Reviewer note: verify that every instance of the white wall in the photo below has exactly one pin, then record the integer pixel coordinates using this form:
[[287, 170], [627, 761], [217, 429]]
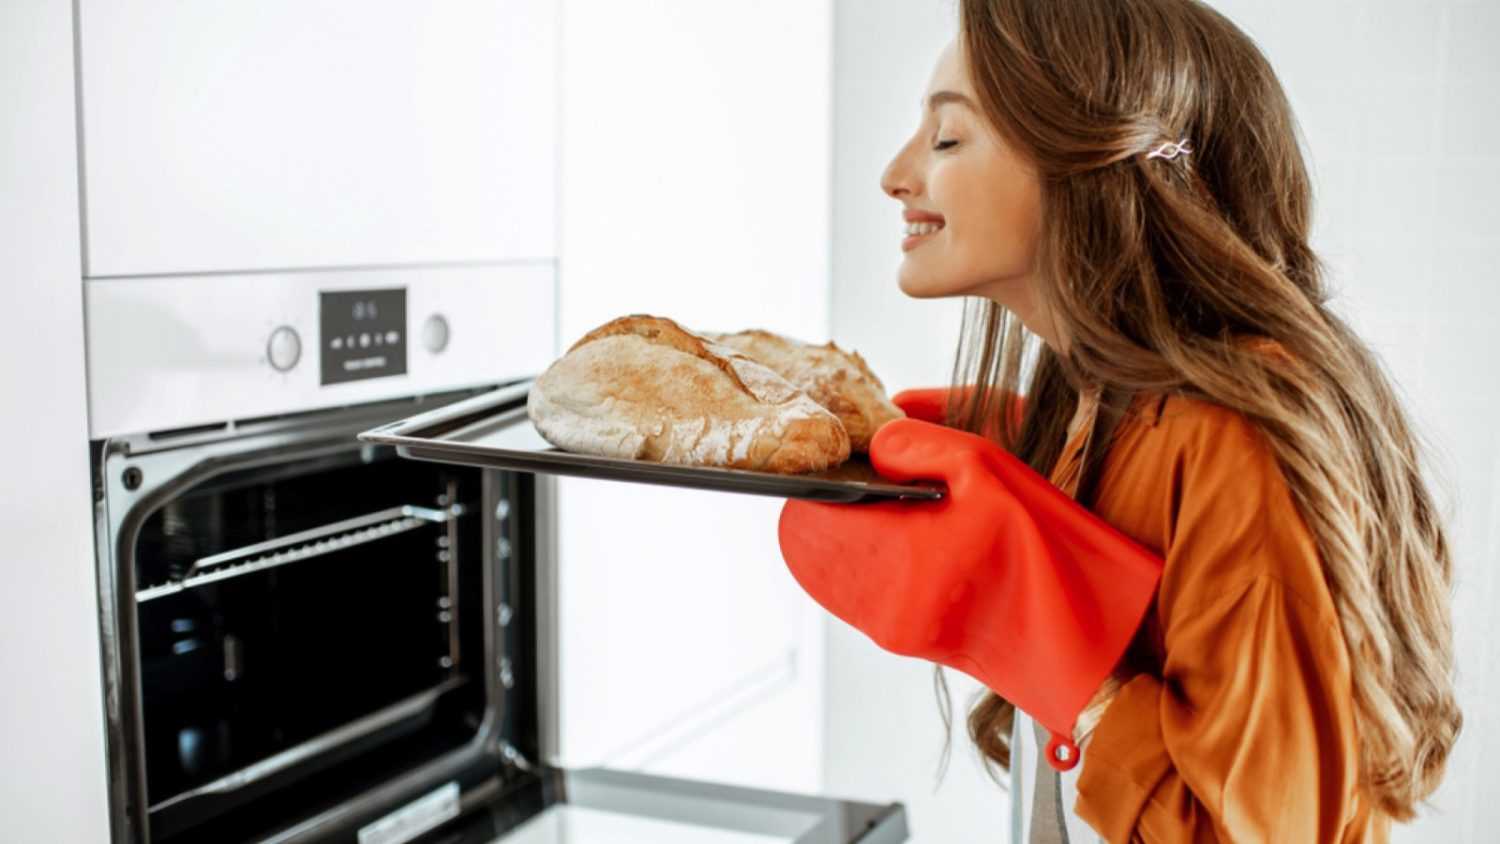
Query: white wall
[[695, 159], [884, 51], [1397, 103], [52, 784]]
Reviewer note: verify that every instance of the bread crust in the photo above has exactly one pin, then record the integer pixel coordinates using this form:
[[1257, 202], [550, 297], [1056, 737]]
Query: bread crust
[[643, 387], [837, 379]]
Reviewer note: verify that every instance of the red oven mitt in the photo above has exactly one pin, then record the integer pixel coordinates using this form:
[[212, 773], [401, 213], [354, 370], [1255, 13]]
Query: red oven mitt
[[1006, 578], [930, 404]]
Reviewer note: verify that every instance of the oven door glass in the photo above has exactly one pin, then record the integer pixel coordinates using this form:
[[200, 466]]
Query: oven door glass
[[600, 806]]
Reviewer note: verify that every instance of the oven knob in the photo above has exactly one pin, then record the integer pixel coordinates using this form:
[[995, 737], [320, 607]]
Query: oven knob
[[284, 348], [435, 333]]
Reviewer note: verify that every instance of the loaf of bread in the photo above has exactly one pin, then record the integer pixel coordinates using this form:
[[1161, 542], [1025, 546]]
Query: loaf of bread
[[645, 388], [838, 380]]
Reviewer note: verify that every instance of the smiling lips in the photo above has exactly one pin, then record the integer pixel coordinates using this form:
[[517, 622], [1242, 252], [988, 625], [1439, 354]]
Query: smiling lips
[[920, 225]]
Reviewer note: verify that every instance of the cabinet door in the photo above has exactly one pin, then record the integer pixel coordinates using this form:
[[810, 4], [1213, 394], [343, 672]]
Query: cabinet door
[[310, 133], [678, 621], [56, 785]]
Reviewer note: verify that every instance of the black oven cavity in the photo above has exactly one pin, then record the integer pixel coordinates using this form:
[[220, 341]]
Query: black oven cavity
[[294, 620]]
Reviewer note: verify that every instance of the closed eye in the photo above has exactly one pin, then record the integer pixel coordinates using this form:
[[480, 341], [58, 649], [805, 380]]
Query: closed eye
[[942, 145]]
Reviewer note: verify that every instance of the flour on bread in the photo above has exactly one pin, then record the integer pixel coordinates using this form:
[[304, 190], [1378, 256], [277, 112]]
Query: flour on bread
[[838, 380], [645, 388]]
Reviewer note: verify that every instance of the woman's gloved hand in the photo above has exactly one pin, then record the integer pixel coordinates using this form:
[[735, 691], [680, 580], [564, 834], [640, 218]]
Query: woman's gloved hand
[[930, 404], [1006, 579]]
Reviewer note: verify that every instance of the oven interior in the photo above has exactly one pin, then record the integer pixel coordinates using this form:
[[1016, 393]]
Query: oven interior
[[306, 624]]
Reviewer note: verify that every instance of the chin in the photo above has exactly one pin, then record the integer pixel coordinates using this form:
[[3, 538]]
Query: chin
[[919, 286]]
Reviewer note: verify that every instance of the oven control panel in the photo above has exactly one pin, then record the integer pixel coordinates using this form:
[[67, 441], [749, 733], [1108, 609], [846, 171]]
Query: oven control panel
[[245, 346], [363, 334]]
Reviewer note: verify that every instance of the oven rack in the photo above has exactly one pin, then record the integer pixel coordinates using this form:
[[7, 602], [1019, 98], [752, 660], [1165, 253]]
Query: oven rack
[[303, 545]]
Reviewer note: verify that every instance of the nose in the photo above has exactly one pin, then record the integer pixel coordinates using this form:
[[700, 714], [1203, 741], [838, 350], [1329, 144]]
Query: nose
[[897, 179]]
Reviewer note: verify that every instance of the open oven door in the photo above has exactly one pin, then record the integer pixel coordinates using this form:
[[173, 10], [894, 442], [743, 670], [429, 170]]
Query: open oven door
[[599, 806]]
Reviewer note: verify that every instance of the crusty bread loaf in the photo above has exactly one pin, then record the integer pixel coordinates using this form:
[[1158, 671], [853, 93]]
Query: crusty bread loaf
[[645, 388], [840, 381]]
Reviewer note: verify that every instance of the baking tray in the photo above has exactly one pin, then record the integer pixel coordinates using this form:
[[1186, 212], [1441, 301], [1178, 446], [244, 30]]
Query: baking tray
[[492, 430]]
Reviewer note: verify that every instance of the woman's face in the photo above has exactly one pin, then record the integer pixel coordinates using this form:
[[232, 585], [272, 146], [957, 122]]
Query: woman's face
[[957, 170]]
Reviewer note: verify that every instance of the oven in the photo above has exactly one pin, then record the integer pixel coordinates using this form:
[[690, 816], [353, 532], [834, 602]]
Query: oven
[[307, 637]]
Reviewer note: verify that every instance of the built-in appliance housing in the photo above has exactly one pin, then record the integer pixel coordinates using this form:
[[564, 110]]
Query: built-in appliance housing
[[299, 222]]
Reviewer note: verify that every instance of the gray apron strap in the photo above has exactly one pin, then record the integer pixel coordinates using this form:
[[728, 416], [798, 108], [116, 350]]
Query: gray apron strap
[[1047, 823], [1017, 778]]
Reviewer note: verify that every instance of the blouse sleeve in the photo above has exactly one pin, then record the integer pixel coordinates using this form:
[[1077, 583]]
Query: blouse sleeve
[[1248, 734]]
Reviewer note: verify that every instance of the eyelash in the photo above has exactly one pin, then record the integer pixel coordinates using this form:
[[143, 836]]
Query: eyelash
[[943, 145]]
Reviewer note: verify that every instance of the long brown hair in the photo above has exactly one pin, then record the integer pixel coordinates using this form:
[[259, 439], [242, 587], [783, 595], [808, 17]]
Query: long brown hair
[[1158, 271]]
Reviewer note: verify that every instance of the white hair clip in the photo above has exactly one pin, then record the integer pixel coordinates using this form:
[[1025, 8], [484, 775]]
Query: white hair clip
[[1170, 150]]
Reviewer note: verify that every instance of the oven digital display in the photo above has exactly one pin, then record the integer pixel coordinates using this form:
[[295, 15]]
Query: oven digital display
[[363, 334]]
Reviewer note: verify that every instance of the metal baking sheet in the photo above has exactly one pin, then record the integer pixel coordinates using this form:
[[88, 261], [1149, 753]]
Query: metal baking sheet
[[492, 430]]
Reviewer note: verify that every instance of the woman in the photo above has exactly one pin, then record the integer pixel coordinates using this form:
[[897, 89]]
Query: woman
[[1240, 617]]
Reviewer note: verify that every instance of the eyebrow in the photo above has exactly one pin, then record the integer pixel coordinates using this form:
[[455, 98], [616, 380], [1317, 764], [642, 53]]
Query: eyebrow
[[941, 97]]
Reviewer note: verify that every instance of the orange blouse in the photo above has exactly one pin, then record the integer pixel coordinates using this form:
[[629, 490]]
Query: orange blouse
[[1238, 724]]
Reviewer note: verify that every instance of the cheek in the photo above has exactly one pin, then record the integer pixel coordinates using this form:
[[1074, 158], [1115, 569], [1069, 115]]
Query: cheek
[[1000, 225]]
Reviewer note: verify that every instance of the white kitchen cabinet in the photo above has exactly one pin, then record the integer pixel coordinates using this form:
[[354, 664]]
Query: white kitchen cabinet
[[289, 134], [52, 782], [695, 148]]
